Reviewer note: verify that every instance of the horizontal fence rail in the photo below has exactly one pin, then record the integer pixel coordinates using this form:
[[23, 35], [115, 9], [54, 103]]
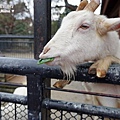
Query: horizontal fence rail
[[83, 108], [16, 46], [12, 84], [16, 37], [8, 97], [83, 92], [19, 46], [29, 66]]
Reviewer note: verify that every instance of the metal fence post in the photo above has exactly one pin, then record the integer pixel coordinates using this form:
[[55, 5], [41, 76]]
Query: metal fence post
[[34, 91], [0, 110], [42, 25], [42, 34]]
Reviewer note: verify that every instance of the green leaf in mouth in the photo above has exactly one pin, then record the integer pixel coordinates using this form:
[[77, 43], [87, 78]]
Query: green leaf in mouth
[[42, 61]]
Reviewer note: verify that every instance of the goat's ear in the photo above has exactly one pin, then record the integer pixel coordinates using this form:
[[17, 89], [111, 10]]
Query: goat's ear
[[106, 25], [112, 24]]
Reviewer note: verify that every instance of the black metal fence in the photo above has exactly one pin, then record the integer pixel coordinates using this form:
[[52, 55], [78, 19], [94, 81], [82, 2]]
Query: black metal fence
[[39, 106], [17, 46]]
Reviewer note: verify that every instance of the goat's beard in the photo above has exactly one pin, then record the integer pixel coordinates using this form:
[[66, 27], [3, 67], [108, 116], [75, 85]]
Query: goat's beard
[[69, 70]]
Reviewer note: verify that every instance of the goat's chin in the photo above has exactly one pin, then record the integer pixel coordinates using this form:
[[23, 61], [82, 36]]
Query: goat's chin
[[68, 70], [68, 67]]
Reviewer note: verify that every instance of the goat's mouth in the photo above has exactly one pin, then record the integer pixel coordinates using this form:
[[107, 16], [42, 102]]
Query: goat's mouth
[[52, 61], [42, 61], [66, 66]]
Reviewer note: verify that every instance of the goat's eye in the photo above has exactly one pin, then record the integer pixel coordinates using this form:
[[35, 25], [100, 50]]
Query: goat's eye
[[84, 26]]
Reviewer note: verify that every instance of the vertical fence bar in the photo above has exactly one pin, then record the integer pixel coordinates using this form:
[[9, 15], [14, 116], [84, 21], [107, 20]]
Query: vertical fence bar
[[15, 112], [34, 91], [42, 25], [42, 34], [0, 111], [46, 94]]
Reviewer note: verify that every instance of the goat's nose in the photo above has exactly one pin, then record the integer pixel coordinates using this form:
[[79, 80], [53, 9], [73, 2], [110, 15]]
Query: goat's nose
[[45, 50]]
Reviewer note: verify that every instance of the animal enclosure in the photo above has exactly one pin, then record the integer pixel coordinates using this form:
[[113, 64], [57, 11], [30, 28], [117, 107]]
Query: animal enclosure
[[37, 103]]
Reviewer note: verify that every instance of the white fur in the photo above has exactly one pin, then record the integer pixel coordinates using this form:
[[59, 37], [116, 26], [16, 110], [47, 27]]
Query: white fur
[[72, 45]]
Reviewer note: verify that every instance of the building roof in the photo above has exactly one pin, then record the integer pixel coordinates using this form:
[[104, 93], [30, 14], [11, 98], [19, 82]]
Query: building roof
[[110, 8]]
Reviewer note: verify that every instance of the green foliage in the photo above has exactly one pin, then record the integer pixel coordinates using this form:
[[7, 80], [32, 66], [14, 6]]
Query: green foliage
[[54, 27], [6, 23], [19, 8], [20, 27], [16, 22]]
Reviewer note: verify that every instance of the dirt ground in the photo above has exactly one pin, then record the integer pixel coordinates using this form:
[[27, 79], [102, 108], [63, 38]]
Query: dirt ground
[[66, 96], [72, 97]]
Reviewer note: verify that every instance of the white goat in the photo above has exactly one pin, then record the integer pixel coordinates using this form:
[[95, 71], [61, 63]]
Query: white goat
[[84, 36]]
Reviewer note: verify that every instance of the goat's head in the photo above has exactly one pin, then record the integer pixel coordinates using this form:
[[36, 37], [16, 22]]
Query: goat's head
[[80, 38]]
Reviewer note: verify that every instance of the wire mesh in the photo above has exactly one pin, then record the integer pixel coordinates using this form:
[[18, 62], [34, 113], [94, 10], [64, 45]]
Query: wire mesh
[[57, 114], [66, 115], [13, 111]]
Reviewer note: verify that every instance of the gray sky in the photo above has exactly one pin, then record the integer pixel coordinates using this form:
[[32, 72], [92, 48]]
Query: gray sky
[[76, 2], [29, 4], [73, 2]]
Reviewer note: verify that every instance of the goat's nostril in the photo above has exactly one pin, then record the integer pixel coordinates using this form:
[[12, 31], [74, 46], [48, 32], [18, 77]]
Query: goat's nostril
[[46, 50]]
